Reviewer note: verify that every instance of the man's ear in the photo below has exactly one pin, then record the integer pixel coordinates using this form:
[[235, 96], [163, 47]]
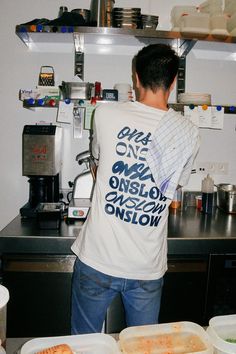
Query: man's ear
[[173, 84], [136, 80]]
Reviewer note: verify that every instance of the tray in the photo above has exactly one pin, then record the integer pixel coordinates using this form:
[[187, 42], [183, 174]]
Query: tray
[[94, 343]]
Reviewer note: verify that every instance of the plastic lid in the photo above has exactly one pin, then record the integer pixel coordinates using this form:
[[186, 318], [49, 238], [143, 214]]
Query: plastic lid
[[4, 296]]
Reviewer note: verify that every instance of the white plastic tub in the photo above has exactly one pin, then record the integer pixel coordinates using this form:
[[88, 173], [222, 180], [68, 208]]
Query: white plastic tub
[[177, 12], [177, 337], [220, 329], [195, 24], [95, 343]]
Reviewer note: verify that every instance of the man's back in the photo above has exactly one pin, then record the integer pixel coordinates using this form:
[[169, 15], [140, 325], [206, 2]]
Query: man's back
[[126, 227]]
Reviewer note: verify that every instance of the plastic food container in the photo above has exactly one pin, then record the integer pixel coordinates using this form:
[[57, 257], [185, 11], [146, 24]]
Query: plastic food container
[[173, 338], [177, 12], [231, 24], [197, 24], [218, 25], [221, 330], [95, 343]]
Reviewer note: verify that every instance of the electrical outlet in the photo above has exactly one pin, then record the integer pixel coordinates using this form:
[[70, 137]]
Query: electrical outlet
[[222, 168], [206, 167], [216, 168]]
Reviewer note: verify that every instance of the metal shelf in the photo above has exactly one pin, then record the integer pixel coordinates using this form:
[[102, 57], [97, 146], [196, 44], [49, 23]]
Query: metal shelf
[[176, 106], [180, 107], [63, 38], [63, 34]]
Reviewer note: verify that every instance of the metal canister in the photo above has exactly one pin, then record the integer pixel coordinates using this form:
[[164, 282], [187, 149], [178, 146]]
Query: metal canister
[[101, 12]]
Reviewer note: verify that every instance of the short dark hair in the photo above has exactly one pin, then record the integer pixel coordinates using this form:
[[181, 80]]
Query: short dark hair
[[156, 66]]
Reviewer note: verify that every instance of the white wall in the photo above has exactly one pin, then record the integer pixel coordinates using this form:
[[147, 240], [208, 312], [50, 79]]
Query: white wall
[[19, 68]]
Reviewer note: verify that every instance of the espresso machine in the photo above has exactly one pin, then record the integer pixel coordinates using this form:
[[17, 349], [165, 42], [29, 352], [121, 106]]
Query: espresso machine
[[41, 162]]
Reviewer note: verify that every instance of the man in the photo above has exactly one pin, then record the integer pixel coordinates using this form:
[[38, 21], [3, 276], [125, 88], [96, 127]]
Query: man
[[122, 247]]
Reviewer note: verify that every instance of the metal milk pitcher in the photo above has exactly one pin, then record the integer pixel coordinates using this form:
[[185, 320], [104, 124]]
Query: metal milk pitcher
[[101, 12]]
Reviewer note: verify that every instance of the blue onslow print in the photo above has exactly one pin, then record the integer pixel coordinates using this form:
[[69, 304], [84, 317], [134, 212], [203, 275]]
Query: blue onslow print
[[129, 198]]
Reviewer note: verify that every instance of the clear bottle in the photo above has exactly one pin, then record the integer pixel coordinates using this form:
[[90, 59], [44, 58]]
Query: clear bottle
[[207, 195], [177, 199]]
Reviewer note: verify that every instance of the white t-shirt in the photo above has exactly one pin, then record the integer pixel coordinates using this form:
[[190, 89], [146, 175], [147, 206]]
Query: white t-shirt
[[125, 234]]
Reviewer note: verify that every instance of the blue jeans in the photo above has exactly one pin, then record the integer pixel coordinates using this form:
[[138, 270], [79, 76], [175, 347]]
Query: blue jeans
[[93, 292]]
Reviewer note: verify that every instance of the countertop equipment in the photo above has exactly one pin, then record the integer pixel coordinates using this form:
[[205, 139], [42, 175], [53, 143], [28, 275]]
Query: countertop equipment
[[226, 197], [41, 162], [82, 188]]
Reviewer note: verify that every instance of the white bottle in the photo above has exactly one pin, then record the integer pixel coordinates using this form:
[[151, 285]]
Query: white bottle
[[207, 194]]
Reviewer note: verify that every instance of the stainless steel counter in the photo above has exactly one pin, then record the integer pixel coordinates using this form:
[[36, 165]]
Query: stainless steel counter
[[189, 232]]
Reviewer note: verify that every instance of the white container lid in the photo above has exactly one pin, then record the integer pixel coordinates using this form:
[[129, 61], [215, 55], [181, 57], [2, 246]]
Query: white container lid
[[4, 296], [94, 343]]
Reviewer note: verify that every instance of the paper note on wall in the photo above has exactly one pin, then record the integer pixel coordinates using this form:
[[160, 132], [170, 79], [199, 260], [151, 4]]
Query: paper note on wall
[[65, 112], [204, 116], [192, 114], [89, 115], [217, 117]]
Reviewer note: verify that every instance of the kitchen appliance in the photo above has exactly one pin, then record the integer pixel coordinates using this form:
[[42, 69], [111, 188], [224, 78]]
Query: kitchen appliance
[[41, 160], [41, 284], [226, 197], [82, 188], [221, 286]]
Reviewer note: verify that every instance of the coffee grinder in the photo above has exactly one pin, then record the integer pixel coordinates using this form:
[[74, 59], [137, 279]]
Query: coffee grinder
[[41, 161]]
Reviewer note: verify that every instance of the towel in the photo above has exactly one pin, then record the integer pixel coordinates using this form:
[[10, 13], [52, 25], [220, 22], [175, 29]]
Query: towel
[[171, 153]]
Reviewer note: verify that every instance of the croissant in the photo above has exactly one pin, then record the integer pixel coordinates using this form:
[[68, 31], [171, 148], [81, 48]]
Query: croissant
[[57, 349]]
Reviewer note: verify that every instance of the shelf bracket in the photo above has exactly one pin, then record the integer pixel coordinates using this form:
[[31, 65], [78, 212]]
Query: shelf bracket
[[79, 55], [180, 84], [184, 48]]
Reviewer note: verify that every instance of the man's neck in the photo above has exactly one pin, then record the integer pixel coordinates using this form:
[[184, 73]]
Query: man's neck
[[158, 100]]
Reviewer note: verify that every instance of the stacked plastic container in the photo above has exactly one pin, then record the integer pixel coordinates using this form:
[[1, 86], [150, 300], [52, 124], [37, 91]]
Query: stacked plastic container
[[209, 17], [217, 18], [178, 13], [230, 12]]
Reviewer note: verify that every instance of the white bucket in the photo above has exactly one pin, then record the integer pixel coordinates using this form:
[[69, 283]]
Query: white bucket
[[4, 297]]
